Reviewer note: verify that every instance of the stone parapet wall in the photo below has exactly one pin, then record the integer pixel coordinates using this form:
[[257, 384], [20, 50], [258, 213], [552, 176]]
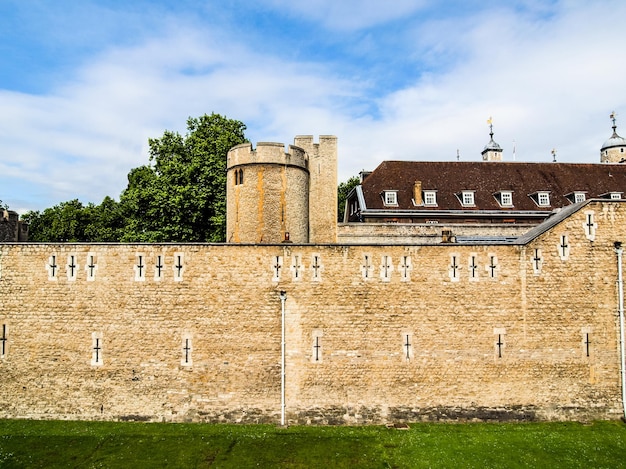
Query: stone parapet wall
[[374, 333], [424, 233], [266, 153]]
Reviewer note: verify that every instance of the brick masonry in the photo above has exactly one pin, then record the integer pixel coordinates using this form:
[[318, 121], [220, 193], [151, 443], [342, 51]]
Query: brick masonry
[[493, 334]]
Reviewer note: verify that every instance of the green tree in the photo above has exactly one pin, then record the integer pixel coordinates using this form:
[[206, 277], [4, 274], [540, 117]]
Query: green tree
[[181, 196], [343, 190], [65, 222], [73, 222], [105, 221]]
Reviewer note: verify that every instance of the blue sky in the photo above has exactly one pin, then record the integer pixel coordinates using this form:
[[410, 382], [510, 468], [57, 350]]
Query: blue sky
[[85, 83]]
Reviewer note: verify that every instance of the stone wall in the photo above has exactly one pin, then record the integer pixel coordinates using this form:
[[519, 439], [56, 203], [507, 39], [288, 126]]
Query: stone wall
[[422, 233], [374, 333], [322, 187], [11, 228]]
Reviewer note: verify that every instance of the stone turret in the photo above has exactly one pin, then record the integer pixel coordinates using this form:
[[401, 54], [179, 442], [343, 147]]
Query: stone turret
[[322, 187], [276, 196], [267, 194]]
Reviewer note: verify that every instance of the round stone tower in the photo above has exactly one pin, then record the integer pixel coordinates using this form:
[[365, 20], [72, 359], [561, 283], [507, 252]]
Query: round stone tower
[[614, 149], [267, 194]]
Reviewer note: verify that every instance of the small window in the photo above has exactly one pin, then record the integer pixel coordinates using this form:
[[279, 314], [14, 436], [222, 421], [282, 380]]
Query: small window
[[467, 198], [616, 195], [579, 197], [543, 199], [506, 199], [391, 198], [430, 198]]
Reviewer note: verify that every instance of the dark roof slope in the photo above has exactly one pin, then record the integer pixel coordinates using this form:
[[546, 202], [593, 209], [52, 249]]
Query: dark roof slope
[[487, 178]]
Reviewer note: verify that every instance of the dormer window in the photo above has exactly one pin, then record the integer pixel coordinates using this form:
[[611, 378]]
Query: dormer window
[[390, 197], [505, 198], [612, 195], [467, 198], [541, 198], [430, 198], [577, 197]]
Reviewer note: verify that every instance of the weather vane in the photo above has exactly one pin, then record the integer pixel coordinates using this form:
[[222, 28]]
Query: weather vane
[[490, 122], [554, 155], [612, 117]]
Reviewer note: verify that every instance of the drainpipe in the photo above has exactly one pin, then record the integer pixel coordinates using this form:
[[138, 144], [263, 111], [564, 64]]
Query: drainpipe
[[620, 287], [283, 298]]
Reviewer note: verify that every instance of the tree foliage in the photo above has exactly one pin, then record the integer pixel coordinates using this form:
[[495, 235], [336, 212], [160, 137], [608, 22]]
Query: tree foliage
[[342, 194], [74, 222], [182, 195]]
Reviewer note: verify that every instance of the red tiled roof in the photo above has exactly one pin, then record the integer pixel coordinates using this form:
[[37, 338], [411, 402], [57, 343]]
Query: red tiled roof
[[488, 178]]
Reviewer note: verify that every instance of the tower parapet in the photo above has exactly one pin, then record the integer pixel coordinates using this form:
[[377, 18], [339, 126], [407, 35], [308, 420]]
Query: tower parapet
[[266, 153]]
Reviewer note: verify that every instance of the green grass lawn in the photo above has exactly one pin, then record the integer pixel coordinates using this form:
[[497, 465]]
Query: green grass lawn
[[49, 444]]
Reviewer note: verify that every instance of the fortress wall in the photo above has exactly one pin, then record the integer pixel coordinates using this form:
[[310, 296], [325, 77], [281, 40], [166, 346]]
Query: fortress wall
[[508, 346]]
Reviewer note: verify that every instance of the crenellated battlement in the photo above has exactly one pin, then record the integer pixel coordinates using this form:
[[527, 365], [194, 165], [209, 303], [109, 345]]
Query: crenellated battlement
[[267, 153]]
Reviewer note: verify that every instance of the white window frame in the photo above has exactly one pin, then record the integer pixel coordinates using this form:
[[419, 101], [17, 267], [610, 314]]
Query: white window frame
[[508, 195], [390, 197], [543, 199], [579, 197], [467, 198], [616, 195], [430, 198]]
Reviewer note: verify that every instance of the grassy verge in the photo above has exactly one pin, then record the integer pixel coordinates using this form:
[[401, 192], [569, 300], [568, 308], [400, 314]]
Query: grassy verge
[[50, 444]]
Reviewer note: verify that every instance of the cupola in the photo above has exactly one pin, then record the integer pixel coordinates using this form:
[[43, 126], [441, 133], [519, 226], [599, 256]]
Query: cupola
[[492, 151], [614, 149]]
